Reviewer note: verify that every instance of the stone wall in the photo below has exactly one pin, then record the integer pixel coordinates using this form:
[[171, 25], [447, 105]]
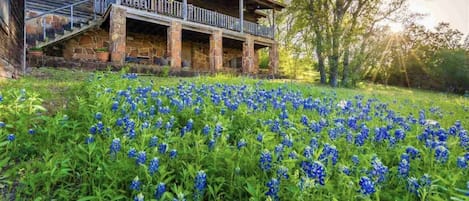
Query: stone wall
[[11, 37]]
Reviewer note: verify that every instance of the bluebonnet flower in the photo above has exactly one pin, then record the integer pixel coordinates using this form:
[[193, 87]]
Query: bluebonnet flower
[[346, 171], [304, 120], [153, 141], [159, 123], [293, 155], [206, 129], [141, 158], [399, 134], [139, 197], [115, 106], [1, 98], [211, 143], [308, 152], [162, 148], [274, 187], [329, 151], [200, 184], [93, 130], [413, 152], [282, 172], [2, 124], [89, 140], [218, 130], [11, 137], [367, 186], [173, 153], [154, 166], [189, 125], [461, 162], [314, 143], [115, 146], [441, 154], [379, 170], [265, 160], [260, 137], [98, 116], [413, 185], [315, 171], [135, 185], [160, 190], [132, 153], [242, 143], [425, 180], [31, 131], [278, 149], [287, 141], [404, 168], [355, 160]]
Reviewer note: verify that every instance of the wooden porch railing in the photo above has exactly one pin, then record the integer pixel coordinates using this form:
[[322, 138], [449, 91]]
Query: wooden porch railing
[[193, 13]]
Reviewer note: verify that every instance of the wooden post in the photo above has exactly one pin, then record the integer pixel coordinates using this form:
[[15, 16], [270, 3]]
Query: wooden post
[[184, 9], [241, 15]]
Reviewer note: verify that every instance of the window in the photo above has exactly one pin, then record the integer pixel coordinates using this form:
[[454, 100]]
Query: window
[[4, 14]]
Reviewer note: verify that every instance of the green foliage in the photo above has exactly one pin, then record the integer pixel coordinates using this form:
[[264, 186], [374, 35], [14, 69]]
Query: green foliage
[[55, 163], [165, 70]]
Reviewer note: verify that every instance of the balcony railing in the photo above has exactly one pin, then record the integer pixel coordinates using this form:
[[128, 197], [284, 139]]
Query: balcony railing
[[192, 13]]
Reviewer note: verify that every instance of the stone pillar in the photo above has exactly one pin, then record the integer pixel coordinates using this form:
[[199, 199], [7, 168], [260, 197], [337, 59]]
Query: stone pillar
[[248, 55], [273, 59], [175, 45], [256, 61], [216, 51], [117, 34]]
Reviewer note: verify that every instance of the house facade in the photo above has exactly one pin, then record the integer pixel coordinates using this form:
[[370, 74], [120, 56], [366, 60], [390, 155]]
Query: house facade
[[11, 37], [194, 35]]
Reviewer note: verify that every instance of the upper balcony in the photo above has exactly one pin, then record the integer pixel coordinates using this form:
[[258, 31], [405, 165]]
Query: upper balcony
[[229, 15]]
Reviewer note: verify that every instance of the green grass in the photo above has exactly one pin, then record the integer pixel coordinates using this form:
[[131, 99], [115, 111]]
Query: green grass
[[60, 106]]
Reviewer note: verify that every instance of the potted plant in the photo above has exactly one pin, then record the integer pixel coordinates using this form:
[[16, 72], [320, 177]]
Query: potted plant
[[102, 54], [35, 51]]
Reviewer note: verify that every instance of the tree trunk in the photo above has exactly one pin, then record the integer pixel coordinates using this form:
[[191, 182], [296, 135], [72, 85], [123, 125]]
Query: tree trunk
[[346, 70], [322, 68]]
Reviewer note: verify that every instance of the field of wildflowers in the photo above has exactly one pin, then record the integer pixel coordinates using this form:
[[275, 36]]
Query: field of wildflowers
[[144, 138]]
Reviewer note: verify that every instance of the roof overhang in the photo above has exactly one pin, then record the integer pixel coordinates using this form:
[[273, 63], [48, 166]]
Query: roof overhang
[[266, 4]]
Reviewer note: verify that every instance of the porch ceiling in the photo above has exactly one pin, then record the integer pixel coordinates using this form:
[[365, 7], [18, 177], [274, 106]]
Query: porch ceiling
[[250, 4]]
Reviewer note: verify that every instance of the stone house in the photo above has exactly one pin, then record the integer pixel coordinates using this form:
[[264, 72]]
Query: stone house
[[187, 35], [11, 37]]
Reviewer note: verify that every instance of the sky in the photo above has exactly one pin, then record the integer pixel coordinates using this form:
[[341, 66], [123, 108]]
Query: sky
[[456, 12]]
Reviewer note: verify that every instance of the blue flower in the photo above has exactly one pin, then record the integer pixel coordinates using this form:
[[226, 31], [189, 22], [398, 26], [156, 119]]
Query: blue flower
[[115, 146], [206, 129], [413, 185], [162, 148], [413, 152], [132, 153], [11, 137], [31, 131], [135, 185], [242, 143], [355, 160], [2, 124], [139, 197], [153, 141], [274, 187], [308, 152], [367, 186], [211, 143], [346, 171], [89, 140], [282, 172], [399, 134], [189, 125], [154, 165], [461, 162], [441, 154], [98, 116], [293, 155], [260, 137], [173, 153], [315, 171], [160, 190], [115, 106], [379, 170], [200, 185], [265, 160], [404, 168], [141, 158]]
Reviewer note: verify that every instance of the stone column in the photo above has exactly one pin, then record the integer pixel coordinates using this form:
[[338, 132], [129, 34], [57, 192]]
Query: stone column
[[248, 55], [256, 62], [117, 34], [216, 51], [273, 59], [175, 45]]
